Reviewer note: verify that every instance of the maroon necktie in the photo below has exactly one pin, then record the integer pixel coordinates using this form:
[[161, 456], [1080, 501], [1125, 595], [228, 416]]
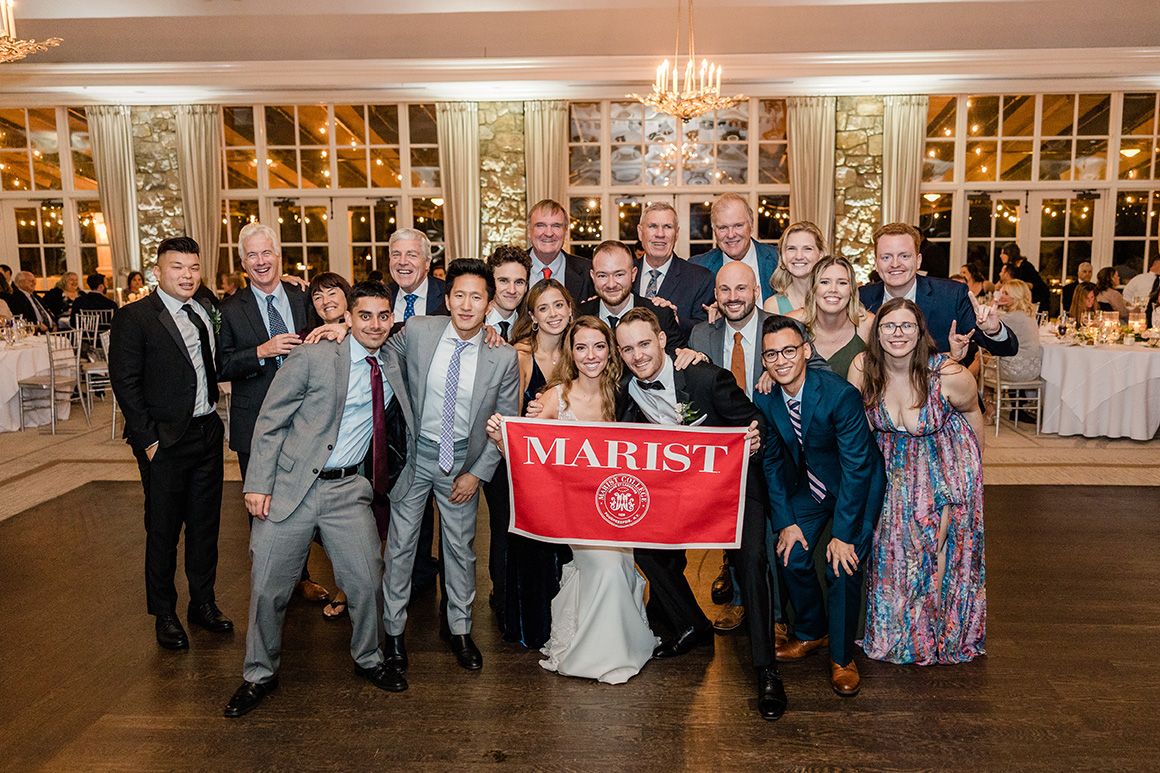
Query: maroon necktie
[[380, 468]]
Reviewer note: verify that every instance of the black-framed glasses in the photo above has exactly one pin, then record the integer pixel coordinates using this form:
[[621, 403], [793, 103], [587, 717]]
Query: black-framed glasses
[[789, 352], [890, 328]]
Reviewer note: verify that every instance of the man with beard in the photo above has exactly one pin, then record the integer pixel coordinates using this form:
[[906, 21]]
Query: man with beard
[[613, 275]]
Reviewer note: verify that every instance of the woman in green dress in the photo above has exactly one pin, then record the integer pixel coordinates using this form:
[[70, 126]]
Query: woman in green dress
[[840, 326]]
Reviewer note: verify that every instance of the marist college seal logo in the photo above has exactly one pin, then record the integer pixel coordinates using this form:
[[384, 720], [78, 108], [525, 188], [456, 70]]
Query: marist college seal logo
[[622, 500]]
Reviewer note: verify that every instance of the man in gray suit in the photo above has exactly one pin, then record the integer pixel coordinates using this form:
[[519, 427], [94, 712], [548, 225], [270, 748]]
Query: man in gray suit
[[453, 383], [324, 410]]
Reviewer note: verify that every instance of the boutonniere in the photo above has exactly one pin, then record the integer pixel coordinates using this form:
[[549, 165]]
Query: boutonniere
[[215, 317], [690, 416]]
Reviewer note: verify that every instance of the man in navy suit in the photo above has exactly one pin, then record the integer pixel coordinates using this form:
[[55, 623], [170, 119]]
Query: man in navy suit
[[732, 220], [547, 229], [663, 275], [821, 464], [414, 291], [948, 307]]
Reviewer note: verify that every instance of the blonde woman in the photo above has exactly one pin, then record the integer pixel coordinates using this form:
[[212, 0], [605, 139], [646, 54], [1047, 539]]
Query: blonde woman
[[838, 324], [802, 245], [1018, 313]]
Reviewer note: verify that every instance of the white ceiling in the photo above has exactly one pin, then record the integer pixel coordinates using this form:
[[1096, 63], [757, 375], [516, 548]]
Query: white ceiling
[[139, 50]]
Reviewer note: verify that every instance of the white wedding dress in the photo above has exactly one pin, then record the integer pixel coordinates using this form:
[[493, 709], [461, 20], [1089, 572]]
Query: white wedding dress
[[599, 627]]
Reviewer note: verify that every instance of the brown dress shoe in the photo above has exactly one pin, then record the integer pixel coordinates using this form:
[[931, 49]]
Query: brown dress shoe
[[730, 619], [313, 592], [796, 649], [780, 636], [845, 679]]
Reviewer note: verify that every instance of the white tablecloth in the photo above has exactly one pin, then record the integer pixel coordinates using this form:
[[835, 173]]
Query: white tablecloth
[[25, 359], [1101, 391]]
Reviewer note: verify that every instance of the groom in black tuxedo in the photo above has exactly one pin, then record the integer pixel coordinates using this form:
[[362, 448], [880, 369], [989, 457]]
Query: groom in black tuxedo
[[652, 392]]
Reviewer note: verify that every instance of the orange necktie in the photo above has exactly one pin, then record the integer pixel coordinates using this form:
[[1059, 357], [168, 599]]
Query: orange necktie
[[737, 363]]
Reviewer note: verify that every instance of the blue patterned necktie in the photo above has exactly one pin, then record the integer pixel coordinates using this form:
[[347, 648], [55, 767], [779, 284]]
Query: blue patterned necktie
[[817, 488], [651, 290], [410, 310], [277, 324], [447, 419]]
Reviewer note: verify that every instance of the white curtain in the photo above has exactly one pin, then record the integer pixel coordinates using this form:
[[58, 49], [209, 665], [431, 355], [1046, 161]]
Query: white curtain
[[546, 150], [111, 132], [459, 171], [903, 137], [199, 167], [811, 161]]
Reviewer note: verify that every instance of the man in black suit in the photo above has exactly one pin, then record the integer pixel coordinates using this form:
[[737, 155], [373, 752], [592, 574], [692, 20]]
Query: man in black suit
[[613, 275], [547, 230], [161, 364], [260, 326], [414, 291], [651, 391], [687, 286], [24, 303], [94, 300]]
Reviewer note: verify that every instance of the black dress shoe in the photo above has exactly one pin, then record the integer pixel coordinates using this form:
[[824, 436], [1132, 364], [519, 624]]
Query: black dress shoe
[[384, 676], [466, 652], [209, 617], [722, 590], [686, 641], [395, 652], [248, 696], [170, 634], [771, 700]]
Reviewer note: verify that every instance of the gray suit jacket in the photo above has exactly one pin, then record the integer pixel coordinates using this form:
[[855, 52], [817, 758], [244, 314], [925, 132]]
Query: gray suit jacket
[[410, 352], [709, 339], [297, 428]]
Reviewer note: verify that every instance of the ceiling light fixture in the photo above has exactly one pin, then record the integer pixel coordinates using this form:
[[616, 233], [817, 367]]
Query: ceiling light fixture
[[13, 49], [700, 90]]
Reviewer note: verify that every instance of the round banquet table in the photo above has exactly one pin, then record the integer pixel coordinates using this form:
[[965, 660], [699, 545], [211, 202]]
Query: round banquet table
[[23, 360], [1108, 391]]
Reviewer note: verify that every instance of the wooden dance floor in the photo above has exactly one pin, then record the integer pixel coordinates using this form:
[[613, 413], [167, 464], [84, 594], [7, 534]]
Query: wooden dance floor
[[1070, 681]]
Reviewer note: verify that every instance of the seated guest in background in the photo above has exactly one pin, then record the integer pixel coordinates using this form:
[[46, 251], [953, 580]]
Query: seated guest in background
[[232, 283], [60, 298], [96, 299], [375, 276], [161, 365], [1017, 312], [1108, 298], [5, 291], [662, 274], [547, 230], [324, 411], [802, 246], [821, 467], [927, 598], [1083, 302], [613, 276], [1143, 285], [1126, 272], [1022, 269], [838, 325], [6, 272], [413, 291], [732, 220], [945, 305], [1083, 274], [439, 271], [976, 281], [135, 286], [533, 567], [22, 302]]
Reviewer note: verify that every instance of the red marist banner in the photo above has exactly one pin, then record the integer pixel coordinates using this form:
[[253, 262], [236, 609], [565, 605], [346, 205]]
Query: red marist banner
[[626, 485]]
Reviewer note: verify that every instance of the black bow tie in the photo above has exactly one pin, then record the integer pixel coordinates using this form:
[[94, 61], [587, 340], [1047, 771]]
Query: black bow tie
[[654, 385]]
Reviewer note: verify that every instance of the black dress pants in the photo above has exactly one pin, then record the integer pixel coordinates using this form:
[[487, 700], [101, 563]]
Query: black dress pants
[[183, 487], [752, 565]]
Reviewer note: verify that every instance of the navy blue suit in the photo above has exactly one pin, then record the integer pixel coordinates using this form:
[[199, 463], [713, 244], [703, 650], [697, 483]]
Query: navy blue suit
[[766, 263], [941, 301], [687, 286], [840, 451], [436, 298]]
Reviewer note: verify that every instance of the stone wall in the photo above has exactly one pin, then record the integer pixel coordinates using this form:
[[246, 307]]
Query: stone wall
[[159, 213], [503, 188], [857, 176]]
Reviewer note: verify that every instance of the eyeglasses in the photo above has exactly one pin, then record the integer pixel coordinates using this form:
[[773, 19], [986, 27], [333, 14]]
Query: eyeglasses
[[789, 352], [890, 328]]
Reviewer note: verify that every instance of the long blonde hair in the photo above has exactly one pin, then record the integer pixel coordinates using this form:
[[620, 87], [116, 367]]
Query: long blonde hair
[[567, 373], [1020, 293], [854, 308], [781, 279]]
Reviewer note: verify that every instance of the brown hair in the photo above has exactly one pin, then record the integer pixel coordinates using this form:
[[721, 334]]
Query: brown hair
[[641, 314], [898, 229], [874, 362], [523, 328], [550, 206], [854, 308], [567, 373], [1079, 300], [780, 279], [727, 198]]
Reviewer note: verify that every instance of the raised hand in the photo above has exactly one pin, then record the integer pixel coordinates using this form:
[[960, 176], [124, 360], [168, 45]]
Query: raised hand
[[986, 316], [960, 343]]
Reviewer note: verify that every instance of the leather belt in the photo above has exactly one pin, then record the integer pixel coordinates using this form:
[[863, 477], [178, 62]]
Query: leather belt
[[338, 472]]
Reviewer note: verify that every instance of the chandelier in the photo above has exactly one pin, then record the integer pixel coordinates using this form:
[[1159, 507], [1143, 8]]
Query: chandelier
[[700, 90], [12, 49]]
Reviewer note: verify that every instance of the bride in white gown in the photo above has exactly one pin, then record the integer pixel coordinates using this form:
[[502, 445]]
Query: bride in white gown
[[599, 628]]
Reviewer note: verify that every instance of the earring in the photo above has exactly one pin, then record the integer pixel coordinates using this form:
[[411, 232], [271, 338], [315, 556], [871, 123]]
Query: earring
[[535, 327]]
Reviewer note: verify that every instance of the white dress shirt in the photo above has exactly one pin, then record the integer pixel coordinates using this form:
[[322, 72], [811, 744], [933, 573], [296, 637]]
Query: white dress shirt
[[645, 275], [750, 259], [400, 305], [281, 303], [749, 333], [437, 384], [201, 404], [660, 405], [357, 425], [495, 316], [557, 267], [1139, 287]]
